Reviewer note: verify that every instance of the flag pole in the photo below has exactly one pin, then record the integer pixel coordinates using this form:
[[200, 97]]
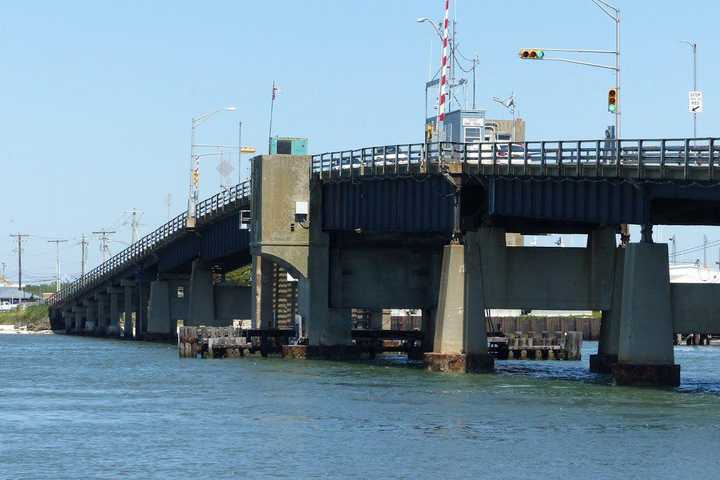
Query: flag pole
[[272, 107]]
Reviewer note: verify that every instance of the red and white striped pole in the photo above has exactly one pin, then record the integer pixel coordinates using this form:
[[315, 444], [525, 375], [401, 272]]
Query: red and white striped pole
[[442, 100]]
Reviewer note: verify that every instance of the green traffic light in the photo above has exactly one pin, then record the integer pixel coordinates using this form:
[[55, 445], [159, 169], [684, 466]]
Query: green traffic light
[[540, 54], [612, 108]]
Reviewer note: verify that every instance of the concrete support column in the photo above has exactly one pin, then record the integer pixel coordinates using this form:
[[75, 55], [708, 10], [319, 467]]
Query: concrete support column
[[113, 328], [376, 319], [68, 319], [201, 305], [141, 320], [91, 318], [608, 343], [262, 292], [477, 358], [129, 307], [447, 355], [645, 348], [159, 308], [78, 319], [428, 328], [460, 343], [102, 313]]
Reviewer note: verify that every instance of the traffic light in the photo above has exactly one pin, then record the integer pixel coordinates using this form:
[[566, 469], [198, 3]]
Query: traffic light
[[531, 54], [613, 100]]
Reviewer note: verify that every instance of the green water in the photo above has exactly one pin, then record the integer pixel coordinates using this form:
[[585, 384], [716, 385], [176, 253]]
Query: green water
[[87, 408]]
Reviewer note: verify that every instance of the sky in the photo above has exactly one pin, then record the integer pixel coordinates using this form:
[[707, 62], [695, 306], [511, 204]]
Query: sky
[[97, 96]]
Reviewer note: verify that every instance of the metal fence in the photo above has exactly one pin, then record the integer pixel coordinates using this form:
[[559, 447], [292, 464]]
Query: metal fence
[[655, 158], [152, 241]]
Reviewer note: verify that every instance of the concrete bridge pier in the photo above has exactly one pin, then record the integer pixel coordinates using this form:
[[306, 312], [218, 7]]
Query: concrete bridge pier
[[460, 343], [201, 304], [90, 316], [113, 328], [78, 318], [101, 301], [608, 344], [129, 306], [645, 347], [159, 308]]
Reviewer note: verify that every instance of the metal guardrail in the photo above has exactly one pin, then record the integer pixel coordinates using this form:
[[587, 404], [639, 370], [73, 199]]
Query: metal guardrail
[[151, 241], [684, 158]]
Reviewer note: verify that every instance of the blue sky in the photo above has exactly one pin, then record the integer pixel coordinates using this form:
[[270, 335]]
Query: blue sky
[[97, 96]]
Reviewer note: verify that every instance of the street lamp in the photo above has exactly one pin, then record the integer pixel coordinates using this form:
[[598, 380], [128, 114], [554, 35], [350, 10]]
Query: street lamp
[[693, 45], [195, 165], [432, 24], [509, 103]]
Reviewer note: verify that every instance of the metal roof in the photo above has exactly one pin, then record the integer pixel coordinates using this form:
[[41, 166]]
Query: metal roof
[[8, 292]]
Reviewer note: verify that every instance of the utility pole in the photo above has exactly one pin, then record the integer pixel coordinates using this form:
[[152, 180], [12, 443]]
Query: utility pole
[[705, 251], [135, 215], [673, 250], [83, 257], [57, 262], [168, 204], [693, 45], [20, 237], [104, 236], [4, 267]]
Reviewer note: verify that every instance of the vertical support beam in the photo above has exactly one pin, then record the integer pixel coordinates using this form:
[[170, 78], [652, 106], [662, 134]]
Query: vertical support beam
[[477, 358], [318, 272], [143, 294], [608, 344], [129, 308], [78, 321], [645, 349], [114, 321], [102, 314], [376, 319], [159, 308], [201, 305], [428, 328], [262, 292], [450, 315], [90, 315]]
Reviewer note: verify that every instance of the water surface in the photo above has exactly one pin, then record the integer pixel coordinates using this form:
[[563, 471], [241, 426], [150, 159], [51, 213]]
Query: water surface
[[87, 408]]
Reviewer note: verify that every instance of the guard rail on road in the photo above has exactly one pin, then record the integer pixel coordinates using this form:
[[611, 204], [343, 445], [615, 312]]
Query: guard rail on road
[[676, 159], [151, 241]]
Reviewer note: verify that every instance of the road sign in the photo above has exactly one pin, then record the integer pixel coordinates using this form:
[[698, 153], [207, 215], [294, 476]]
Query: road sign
[[695, 101]]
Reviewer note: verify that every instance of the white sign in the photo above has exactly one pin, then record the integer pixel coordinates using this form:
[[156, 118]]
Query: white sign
[[695, 101], [473, 122]]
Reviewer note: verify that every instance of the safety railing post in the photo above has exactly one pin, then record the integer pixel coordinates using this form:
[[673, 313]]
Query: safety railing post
[[687, 159]]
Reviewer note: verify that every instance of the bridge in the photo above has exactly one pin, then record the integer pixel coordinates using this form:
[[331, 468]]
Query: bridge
[[425, 226]]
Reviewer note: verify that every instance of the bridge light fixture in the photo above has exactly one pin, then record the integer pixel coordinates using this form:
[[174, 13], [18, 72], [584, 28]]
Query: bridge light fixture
[[531, 54], [612, 100]]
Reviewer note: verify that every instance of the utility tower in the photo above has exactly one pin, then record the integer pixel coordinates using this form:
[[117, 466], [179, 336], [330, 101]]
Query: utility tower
[[134, 223], [57, 262], [168, 204], [83, 254], [20, 237], [104, 236]]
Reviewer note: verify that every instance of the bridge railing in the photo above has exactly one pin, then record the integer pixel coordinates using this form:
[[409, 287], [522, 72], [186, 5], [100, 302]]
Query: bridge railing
[[666, 158], [149, 242]]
